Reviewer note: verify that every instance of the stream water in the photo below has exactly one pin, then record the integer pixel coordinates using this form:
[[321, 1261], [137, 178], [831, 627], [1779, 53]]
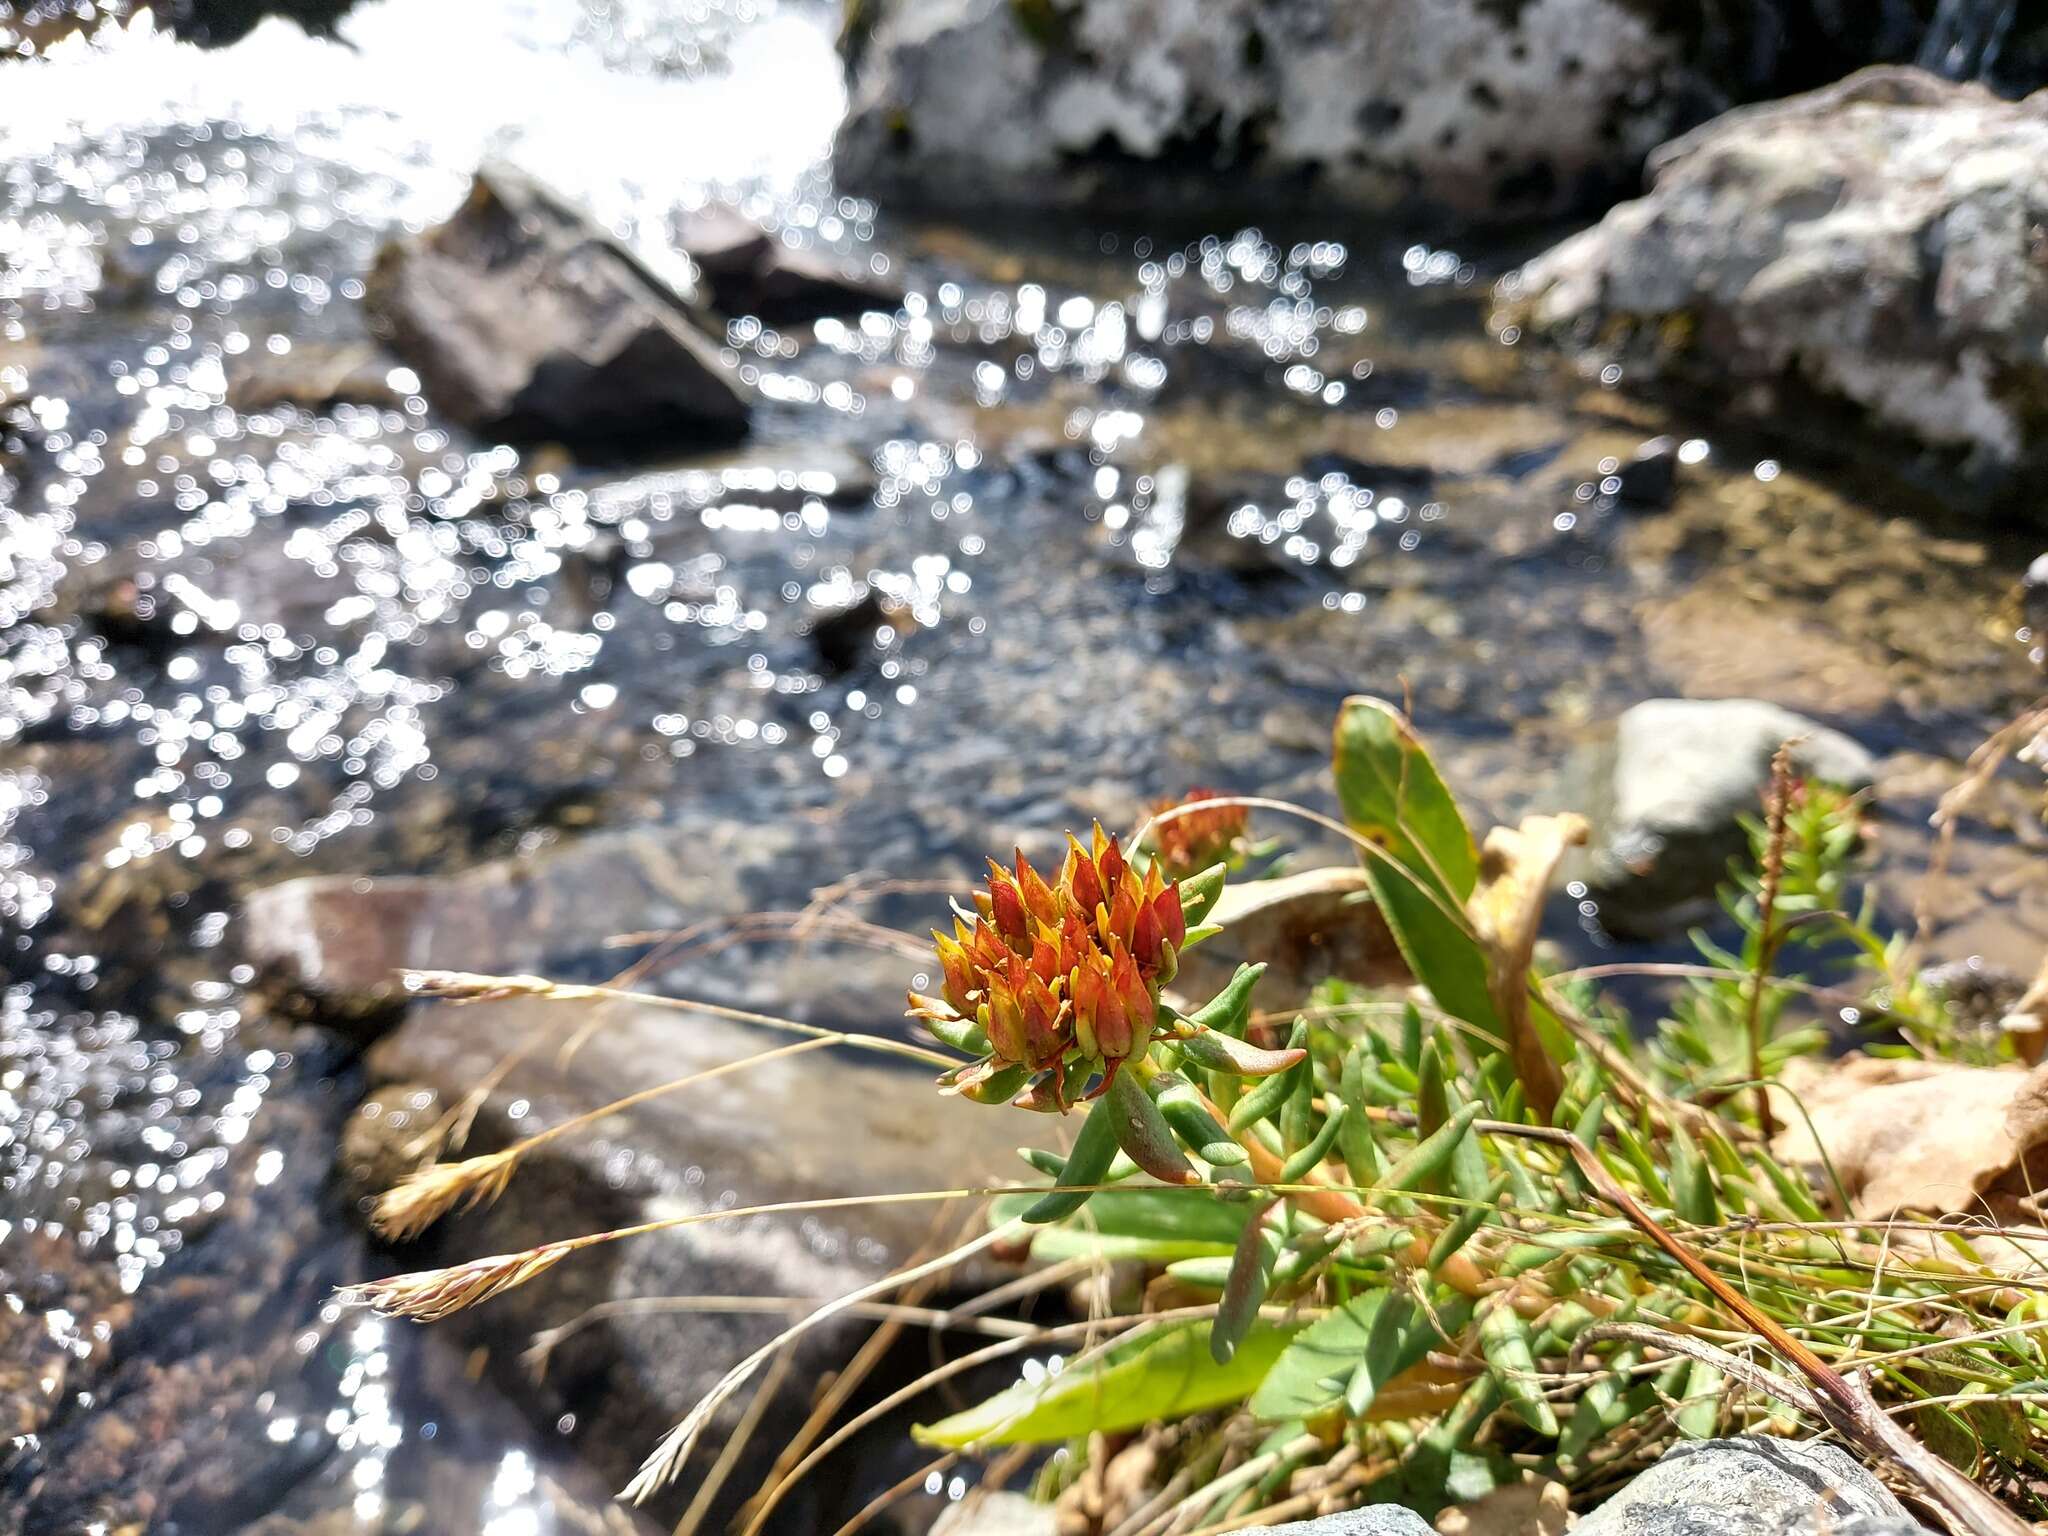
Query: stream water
[[1141, 507]]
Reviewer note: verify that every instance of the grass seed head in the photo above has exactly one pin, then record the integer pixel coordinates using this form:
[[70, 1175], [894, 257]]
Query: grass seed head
[[427, 1194], [428, 1295]]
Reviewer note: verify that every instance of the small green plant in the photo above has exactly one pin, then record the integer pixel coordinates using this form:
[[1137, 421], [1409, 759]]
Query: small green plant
[[1408, 1243], [1435, 1248]]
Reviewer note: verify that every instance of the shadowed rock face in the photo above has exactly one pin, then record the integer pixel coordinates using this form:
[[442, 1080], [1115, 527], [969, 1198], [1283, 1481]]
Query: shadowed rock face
[[1476, 110], [522, 316], [1879, 244]]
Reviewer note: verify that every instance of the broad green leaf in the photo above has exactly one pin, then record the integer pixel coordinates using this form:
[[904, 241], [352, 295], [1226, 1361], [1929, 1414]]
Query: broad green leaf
[[1353, 1352], [1164, 1375], [1391, 793], [1441, 953], [1139, 1221]]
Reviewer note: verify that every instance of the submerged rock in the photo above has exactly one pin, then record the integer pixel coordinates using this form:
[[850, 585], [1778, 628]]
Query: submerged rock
[[1474, 108], [1879, 243], [315, 377], [1649, 478], [521, 316], [1665, 792], [747, 271], [1753, 1486]]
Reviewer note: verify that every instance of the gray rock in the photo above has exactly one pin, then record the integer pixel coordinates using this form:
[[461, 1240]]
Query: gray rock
[[1372, 1520], [746, 271], [1472, 107], [808, 1126], [521, 316], [821, 1124], [1650, 477], [1878, 243], [1664, 792], [1753, 1486], [997, 1514]]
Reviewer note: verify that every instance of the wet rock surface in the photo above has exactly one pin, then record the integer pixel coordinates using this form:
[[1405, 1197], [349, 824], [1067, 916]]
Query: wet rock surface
[[1877, 243], [744, 270], [803, 1127], [1665, 793], [521, 315]]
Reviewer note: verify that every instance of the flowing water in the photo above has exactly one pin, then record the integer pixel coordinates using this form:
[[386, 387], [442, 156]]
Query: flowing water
[[1138, 508]]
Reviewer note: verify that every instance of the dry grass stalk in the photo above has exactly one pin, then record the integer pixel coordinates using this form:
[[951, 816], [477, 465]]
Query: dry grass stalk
[[1979, 771], [471, 987], [895, 1491], [673, 1450], [429, 1193], [428, 1295], [735, 1447], [833, 1399]]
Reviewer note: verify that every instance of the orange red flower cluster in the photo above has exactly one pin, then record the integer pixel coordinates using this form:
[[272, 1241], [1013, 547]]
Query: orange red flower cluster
[[1192, 840], [1063, 971]]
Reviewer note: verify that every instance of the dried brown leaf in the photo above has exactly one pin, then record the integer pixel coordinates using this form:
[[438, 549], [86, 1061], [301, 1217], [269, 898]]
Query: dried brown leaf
[[1909, 1136], [1515, 869]]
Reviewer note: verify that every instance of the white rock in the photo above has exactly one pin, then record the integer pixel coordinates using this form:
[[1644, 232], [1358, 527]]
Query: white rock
[[1879, 242]]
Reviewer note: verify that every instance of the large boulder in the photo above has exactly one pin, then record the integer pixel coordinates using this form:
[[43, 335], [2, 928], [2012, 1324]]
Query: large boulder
[[1666, 790], [1472, 108], [521, 316], [1882, 244]]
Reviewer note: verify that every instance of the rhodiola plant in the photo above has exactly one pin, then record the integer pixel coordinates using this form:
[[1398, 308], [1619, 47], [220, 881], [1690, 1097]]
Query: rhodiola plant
[[1410, 1239]]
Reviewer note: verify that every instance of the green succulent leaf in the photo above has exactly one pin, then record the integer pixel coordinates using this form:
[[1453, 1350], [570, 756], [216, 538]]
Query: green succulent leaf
[[1142, 1221], [1167, 1374]]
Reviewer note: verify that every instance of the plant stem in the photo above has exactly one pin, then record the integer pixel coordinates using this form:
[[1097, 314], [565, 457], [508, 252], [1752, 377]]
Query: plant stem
[[1767, 938]]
